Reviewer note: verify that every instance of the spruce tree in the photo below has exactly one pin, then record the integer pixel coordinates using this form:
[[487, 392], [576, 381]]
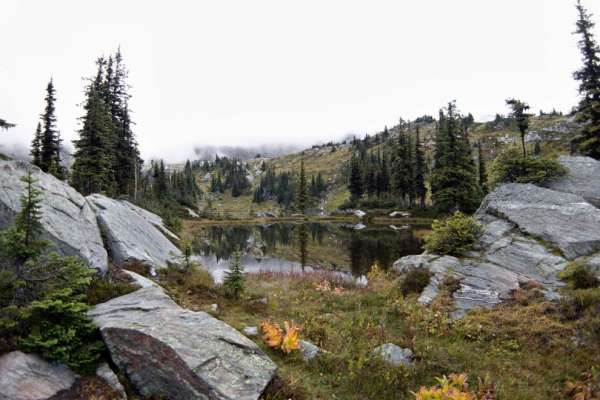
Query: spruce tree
[[355, 182], [588, 111], [302, 190], [419, 170], [50, 138], [93, 166], [481, 170], [521, 117], [36, 146], [454, 178], [233, 284], [5, 124]]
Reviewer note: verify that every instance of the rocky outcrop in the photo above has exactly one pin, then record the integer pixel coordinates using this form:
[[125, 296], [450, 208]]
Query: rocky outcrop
[[167, 351], [107, 374], [583, 178], [132, 233], [67, 219], [529, 234], [28, 377], [563, 220]]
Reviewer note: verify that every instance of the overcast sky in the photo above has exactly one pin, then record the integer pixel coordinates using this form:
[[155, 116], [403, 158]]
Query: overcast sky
[[251, 72]]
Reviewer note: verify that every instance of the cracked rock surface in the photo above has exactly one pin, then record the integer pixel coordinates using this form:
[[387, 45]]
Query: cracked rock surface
[[529, 234], [167, 351], [67, 219], [132, 233]]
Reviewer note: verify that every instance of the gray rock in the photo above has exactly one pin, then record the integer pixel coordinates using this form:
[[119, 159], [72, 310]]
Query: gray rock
[[141, 281], [359, 227], [564, 220], [67, 220], [250, 331], [28, 377], [308, 350], [107, 374], [132, 233], [175, 353], [394, 354], [593, 263], [583, 178]]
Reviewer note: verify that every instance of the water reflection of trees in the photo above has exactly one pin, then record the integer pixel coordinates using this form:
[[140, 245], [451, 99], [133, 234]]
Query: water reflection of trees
[[363, 247]]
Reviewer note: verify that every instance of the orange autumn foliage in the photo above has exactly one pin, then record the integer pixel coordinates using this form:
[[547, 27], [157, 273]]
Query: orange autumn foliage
[[275, 337]]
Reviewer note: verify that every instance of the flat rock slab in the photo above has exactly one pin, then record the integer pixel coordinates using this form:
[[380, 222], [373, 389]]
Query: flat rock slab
[[29, 377], [563, 220], [67, 219], [132, 233], [583, 178], [394, 354], [175, 353]]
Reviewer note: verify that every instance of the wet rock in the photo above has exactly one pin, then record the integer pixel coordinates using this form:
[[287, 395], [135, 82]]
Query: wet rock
[[29, 377], [133, 234], [359, 213], [175, 353], [394, 354], [111, 379], [359, 227], [583, 178], [67, 219]]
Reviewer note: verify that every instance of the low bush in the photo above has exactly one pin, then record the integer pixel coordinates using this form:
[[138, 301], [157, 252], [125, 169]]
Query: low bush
[[512, 166], [453, 235], [414, 281], [103, 289]]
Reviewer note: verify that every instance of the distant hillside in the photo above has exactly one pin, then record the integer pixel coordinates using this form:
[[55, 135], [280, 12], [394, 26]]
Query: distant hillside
[[554, 133]]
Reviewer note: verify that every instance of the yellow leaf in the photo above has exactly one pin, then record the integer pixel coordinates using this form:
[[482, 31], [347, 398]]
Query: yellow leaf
[[291, 341], [272, 334]]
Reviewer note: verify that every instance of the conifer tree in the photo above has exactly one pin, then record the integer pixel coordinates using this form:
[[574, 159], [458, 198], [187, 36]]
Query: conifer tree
[[233, 284], [481, 170], [521, 117], [5, 124], [302, 190], [355, 183], [419, 170], [588, 112], [93, 166], [50, 138], [454, 179], [36, 146]]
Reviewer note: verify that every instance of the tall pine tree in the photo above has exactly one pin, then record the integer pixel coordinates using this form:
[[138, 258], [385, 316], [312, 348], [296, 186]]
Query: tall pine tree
[[93, 166], [454, 178], [588, 112], [50, 138], [482, 170], [36, 146], [521, 117], [419, 170], [302, 189]]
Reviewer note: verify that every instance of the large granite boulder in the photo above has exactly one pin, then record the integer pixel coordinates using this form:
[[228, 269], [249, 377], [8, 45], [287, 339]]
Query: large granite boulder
[[563, 220], [28, 377], [170, 352], [132, 233], [529, 234], [67, 219], [582, 179]]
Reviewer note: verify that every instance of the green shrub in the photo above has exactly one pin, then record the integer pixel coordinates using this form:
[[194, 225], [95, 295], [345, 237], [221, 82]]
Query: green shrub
[[414, 281], [511, 166], [579, 276], [103, 289], [233, 284], [453, 235], [56, 324]]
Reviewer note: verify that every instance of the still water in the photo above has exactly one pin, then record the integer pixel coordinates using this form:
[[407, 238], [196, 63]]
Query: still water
[[298, 247]]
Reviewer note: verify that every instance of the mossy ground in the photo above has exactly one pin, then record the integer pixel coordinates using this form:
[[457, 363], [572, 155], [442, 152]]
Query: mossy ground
[[529, 347]]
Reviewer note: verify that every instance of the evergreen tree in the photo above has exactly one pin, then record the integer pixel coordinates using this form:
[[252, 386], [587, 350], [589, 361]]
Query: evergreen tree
[[383, 177], [36, 146], [521, 117], [537, 150], [233, 284], [419, 170], [22, 241], [5, 124], [482, 171], [50, 138], [93, 166], [355, 183], [588, 112], [454, 178]]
